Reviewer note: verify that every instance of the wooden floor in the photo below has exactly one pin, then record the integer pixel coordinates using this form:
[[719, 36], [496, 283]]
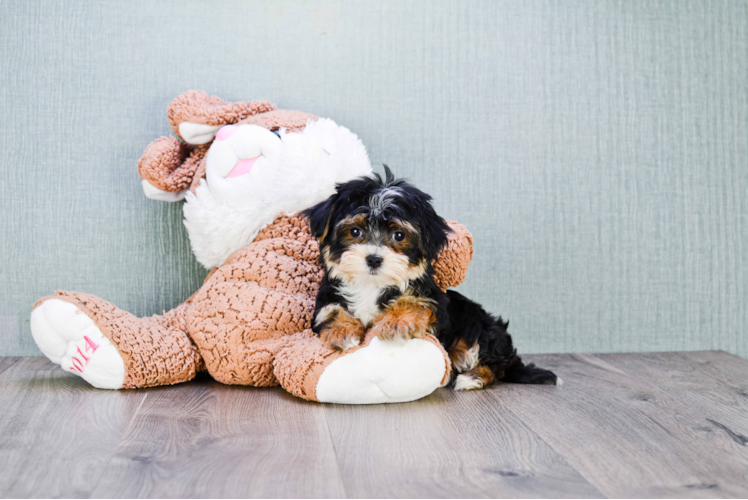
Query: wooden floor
[[622, 425]]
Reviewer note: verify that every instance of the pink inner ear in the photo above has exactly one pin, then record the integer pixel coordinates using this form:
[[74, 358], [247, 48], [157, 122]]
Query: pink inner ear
[[225, 132], [242, 167]]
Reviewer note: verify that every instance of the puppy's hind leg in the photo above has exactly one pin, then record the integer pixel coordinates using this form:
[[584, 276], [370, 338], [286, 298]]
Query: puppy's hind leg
[[485, 351], [482, 376], [465, 363], [477, 378]]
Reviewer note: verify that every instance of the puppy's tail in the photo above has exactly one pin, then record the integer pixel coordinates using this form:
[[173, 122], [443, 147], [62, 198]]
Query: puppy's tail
[[519, 373], [516, 372]]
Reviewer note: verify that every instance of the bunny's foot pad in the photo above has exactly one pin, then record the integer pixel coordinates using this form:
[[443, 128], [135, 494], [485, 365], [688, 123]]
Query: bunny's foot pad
[[375, 372], [69, 338]]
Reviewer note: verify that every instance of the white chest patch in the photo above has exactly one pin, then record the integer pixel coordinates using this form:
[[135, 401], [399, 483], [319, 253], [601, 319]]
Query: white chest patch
[[362, 300]]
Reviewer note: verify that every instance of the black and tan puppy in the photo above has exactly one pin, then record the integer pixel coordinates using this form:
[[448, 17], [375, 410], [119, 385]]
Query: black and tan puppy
[[377, 241]]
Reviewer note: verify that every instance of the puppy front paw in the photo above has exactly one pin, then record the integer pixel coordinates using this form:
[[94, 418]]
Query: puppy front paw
[[342, 332], [405, 319]]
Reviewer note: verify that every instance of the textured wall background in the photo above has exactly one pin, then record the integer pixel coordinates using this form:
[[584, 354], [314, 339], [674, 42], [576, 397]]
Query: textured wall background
[[598, 150]]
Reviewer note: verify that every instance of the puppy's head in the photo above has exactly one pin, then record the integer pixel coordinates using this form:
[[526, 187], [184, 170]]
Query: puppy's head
[[378, 231]]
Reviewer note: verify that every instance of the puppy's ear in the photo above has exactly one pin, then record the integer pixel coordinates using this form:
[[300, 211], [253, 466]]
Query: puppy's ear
[[319, 217], [435, 231]]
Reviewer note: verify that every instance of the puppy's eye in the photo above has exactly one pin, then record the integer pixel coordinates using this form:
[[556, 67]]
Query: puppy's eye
[[356, 232], [398, 236]]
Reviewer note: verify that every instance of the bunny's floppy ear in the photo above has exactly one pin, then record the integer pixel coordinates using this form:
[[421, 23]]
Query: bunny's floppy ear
[[319, 217]]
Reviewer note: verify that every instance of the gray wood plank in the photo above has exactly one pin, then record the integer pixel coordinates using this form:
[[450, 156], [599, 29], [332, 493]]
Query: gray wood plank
[[715, 384], [626, 436], [204, 439], [727, 368], [7, 362], [57, 431], [447, 445], [666, 424]]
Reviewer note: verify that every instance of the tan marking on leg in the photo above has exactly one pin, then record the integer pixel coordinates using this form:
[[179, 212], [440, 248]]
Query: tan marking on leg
[[326, 313], [477, 378], [343, 332], [463, 357], [406, 318]]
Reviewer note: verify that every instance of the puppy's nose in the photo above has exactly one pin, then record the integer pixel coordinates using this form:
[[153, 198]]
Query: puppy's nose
[[374, 261]]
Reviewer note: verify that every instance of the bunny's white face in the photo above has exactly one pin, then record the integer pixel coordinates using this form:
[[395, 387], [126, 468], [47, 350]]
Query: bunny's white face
[[254, 175]]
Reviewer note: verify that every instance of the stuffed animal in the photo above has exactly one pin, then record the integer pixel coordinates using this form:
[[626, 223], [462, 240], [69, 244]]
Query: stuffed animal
[[245, 170]]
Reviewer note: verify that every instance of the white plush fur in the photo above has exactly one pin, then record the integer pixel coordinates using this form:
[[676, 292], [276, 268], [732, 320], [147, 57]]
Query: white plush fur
[[383, 372], [197, 133], [293, 173], [155, 193], [67, 336]]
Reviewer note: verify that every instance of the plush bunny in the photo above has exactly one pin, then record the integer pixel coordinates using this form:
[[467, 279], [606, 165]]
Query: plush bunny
[[245, 170]]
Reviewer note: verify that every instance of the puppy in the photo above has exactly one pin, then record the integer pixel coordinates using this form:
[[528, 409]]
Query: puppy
[[377, 240]]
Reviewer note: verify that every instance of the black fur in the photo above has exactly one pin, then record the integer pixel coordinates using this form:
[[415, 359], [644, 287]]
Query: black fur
[[468, 320], [351, 198], [457, 317]]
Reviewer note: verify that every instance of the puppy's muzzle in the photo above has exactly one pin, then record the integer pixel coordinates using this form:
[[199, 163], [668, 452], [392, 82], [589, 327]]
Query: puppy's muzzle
[[374, 261]]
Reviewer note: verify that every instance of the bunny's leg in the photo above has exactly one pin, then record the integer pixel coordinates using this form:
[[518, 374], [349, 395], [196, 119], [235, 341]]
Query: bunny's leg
[[241, 317], [110, 348]]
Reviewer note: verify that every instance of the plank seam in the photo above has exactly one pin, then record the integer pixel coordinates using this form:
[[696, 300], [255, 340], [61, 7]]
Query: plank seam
[[334, 450]]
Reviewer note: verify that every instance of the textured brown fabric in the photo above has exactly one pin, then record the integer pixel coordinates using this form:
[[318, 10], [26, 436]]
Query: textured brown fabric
[[196, 163], [260, 355], [294, 227], [155, 350], [451, 265], [197, 160], [266, 290], [300, 363], [196, 106], [163, 164], [292, 121]]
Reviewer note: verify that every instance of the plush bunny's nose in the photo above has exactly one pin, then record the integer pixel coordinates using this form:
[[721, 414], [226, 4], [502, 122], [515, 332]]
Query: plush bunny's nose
[[225, 132]]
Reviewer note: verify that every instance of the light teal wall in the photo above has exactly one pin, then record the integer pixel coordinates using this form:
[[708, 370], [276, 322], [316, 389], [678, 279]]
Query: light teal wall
[[598, 150]]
